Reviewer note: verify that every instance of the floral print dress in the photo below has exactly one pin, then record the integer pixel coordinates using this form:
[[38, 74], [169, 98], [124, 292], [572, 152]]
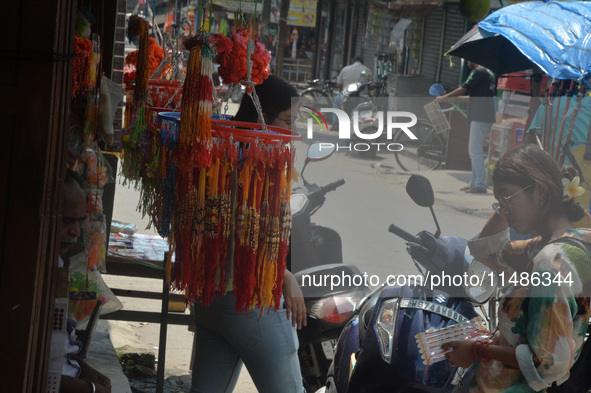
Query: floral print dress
[[544, 315]]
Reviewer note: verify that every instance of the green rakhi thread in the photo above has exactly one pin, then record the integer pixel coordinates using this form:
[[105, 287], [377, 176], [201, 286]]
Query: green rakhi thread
[[136, 160]]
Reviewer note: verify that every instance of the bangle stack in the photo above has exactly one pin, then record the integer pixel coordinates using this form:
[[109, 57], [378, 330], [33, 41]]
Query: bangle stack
[[92, 386], [483, 346]]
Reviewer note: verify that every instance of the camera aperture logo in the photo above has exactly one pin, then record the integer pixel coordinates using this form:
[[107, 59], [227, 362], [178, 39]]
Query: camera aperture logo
[[361, 139], [316, 115]]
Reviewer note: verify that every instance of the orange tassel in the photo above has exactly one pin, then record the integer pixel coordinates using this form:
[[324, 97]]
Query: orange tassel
[[194, 142], [143, 63]]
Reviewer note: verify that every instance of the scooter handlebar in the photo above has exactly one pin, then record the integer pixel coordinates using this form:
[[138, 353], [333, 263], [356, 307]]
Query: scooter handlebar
[[403, 234], [333, 186]]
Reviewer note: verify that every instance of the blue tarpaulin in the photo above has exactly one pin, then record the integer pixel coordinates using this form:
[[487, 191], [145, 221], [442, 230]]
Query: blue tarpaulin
[[555, 35]]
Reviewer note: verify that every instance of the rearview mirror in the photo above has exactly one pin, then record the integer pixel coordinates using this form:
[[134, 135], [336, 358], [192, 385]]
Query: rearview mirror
[[419, 189], [319, 151]]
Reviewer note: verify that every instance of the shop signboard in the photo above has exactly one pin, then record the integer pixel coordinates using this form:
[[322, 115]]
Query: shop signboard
[[301, 13], [235, 5]]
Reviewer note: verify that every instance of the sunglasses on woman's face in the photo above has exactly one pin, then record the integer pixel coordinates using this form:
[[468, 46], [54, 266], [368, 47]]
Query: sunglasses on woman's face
[[504, 201]]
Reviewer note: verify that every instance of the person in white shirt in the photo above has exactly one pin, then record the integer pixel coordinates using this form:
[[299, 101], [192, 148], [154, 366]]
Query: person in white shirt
[[353, 73], [77, 375]]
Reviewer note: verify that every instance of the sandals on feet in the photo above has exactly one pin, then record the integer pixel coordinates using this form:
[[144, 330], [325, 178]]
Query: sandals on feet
[[465, 188]]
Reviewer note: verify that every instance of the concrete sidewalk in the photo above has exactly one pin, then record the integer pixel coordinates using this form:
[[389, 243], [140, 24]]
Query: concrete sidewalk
[[447, 184]]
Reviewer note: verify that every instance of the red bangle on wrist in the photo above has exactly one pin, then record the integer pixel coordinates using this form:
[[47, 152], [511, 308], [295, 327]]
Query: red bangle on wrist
[[483, 347], [475, 351]]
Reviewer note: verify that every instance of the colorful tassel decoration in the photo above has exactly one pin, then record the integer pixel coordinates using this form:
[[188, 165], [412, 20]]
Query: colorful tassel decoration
[[137, 26], [194, 141], [232, 219], [221, 198]]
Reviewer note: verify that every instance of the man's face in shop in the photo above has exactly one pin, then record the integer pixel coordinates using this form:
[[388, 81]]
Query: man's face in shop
[[73, 214]]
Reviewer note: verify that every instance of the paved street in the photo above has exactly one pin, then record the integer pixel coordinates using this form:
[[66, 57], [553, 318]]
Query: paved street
[[374, 197]]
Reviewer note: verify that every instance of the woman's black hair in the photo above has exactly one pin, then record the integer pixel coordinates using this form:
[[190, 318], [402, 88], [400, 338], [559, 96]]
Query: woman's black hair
[[275, 96], [530, 165]]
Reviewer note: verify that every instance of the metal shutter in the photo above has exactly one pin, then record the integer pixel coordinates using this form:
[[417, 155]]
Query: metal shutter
[[431, 41], [455, 27]]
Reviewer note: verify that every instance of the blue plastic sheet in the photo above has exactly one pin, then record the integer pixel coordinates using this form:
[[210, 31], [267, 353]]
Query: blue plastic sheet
[[554, 35]]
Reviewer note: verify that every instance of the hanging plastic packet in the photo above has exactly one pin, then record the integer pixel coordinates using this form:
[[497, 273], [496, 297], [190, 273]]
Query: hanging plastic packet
[[92, 92], [87, 287], [97, 175], [125, 228], [97, 172], [430, 342], [94, 58]]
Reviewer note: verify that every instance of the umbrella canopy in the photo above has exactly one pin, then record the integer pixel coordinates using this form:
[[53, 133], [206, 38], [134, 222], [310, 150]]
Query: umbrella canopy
[[490, 50], [550, 34]]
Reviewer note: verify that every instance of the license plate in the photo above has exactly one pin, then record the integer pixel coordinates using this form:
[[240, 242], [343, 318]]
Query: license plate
[[328, 349], [434, 308]]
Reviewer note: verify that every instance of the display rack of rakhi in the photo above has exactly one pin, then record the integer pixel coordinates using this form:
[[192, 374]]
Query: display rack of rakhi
[[158, 163], [144, 100], [142, 139], [235, 210], [164, 95], [223, 186]]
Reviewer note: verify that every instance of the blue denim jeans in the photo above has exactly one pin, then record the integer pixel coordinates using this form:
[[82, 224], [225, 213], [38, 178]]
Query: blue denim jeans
[[478, 132], [225, 339], [337, 102]]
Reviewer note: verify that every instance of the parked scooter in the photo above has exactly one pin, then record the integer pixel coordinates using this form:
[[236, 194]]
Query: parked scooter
[[316, 254], [311, 244], [378, 351], [354, 94]]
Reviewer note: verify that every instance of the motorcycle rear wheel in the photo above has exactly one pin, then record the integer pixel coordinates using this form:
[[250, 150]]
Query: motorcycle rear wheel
[[315, 99], [425, 153]]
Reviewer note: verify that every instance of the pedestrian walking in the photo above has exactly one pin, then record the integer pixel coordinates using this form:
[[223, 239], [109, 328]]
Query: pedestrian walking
[[478, 90]]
